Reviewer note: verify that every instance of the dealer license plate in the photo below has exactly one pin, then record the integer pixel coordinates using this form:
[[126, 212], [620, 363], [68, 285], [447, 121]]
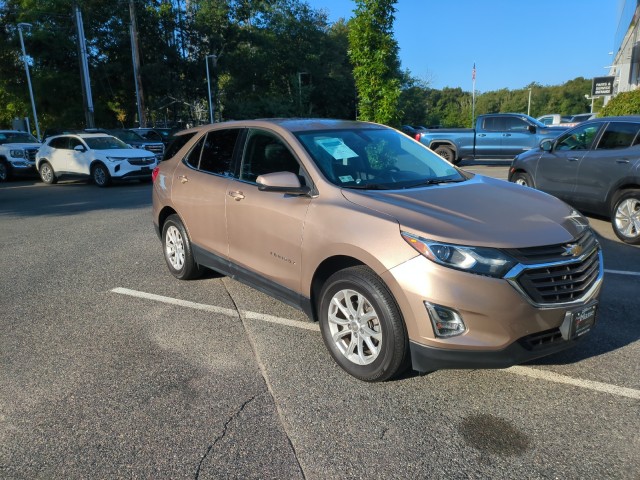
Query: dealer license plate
[[579, 321]]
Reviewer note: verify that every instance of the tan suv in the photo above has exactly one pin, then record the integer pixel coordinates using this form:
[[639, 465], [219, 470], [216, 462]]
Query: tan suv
[[401, 257]]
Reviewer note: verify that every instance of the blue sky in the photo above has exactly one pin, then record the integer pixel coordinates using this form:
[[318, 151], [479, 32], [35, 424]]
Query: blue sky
[[512, 42]]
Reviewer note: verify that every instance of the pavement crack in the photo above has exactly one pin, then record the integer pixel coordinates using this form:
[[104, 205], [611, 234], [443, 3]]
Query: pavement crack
[[265, 377], [224, 432]]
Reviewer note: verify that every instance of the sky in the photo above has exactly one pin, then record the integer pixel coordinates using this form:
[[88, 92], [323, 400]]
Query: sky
[[512, 42]]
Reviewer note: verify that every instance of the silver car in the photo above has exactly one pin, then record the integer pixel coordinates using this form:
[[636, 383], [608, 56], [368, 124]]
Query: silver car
[[595, 167]]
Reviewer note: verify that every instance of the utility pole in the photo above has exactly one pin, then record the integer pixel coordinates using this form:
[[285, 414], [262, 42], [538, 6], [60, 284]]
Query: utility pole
[[87, 99], [142, 119], [26, 69]]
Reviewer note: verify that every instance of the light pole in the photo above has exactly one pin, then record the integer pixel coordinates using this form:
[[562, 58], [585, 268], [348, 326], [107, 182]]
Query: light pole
[[215, 58], [26, 69], [529, 104], [592, 98]]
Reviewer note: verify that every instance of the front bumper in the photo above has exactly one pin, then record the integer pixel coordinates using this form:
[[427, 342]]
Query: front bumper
[[125, 170]]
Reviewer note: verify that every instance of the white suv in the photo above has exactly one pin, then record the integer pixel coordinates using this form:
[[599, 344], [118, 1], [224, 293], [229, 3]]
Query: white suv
[[99, 156], [17, 154]]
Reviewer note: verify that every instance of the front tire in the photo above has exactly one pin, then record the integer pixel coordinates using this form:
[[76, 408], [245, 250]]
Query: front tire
[[524, 179], [362, 326], [47, 174], [625, 216], [5, 171], [177, 250], [100, 175]]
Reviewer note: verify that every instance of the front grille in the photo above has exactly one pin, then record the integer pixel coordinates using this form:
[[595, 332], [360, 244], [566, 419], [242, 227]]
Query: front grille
[[30, 153], [552, 275], [541, 340], [141, 161], [157, 149]]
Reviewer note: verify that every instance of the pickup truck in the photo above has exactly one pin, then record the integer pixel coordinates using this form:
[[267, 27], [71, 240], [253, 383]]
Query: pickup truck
[[498, 135], [17, 154]]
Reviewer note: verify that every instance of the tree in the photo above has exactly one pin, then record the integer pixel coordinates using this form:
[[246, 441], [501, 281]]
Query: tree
[[374, 54], [626, 103]]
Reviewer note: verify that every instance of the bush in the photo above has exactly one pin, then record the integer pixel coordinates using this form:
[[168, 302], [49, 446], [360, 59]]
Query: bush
[[626, 103]]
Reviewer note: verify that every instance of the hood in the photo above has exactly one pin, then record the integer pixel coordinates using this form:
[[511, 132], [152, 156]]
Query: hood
[[480, 211], [125, 153], [17, 146]]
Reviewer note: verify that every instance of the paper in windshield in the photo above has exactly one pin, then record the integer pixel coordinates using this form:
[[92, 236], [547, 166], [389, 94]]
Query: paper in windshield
[[336, 148]]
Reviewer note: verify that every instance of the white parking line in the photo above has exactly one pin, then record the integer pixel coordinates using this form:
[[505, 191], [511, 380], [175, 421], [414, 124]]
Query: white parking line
[[518, 370], [622, 272]]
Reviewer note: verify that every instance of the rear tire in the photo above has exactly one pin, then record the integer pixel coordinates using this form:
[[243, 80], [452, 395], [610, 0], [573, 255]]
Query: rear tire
[[47, 174], [177, 250], [625, 216], [362, 326], [447, 153]]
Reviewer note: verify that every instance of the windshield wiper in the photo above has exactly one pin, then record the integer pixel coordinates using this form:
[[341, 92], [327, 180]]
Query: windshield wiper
[[368, 186], [435, 181]]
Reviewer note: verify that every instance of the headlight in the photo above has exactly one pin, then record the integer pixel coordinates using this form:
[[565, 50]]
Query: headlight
[[115, 159], [16, 153], [478, 260]]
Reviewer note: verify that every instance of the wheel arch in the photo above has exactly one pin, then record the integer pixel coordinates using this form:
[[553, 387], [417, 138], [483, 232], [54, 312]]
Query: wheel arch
[[444, 143], [165, 213], [619, 190]]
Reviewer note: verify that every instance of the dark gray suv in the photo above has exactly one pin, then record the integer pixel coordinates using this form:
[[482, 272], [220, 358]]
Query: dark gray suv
[[595, 167]]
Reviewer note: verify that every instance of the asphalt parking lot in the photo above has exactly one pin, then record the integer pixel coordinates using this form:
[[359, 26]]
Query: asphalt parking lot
[[110, 367]]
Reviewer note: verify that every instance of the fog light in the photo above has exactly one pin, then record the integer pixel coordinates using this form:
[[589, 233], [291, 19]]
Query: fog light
[[446, 322]]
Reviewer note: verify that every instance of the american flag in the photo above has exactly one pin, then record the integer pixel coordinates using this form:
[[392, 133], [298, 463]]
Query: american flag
[[473, 72]]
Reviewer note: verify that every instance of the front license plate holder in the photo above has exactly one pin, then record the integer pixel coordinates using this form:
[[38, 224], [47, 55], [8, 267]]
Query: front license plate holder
[[578, 321]]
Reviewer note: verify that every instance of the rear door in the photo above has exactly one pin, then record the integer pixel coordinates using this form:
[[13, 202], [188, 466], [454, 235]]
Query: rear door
[[59, 154], [199, 191], [617, 151], [78, 161], [558, 169], [489, 136]]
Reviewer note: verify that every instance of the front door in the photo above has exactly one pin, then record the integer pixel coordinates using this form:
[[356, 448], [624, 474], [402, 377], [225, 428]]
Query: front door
[[266, 228]]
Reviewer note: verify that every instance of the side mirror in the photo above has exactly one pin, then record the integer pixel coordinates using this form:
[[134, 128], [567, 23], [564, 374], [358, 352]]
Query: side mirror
[[79, 148], [282, 182], [532, 128], [546, 145]]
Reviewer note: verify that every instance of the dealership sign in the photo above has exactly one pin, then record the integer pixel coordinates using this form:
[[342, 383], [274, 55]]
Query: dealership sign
[[602, 86]]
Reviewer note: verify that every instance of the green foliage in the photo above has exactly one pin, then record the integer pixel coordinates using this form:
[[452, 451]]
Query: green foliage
[[374, 54], [625, 103]]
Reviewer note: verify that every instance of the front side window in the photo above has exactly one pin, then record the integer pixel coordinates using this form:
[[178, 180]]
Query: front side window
[[618, 135], [580, 138], [515, 124], [376, 158], [265, 153]]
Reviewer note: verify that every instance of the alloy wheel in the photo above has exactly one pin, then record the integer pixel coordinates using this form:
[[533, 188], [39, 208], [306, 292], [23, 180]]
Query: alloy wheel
[[355, 327], [627, 219], [174, 247]]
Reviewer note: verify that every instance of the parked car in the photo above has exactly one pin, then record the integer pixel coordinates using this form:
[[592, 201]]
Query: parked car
[[17, 154], [401, 257], [156, 134], [554, 119], [412, 130], [497, 135], [98, 156], [595, 167], [582, 117], [137, 141]]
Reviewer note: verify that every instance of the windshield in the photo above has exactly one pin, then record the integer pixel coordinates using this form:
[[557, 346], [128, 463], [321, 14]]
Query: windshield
[[127, 136], [376, 158], [16, 137], [104, 143]]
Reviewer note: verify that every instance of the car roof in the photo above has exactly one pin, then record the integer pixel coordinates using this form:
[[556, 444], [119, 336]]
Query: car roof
[[290, 124], [82, 135]]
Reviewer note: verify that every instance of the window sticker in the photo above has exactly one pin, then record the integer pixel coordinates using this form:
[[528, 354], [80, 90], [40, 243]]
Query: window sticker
[[336, 148], [346, 178]]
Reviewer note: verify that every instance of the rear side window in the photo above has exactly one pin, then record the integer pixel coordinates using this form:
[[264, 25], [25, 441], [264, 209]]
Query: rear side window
[[494, 123], [178, 142], [217, 151], [618, 135], [60, 142]]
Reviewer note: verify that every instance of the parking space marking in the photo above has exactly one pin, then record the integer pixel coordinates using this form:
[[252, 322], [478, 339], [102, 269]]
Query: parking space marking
[[589, 384], [517, 370], [623, 272]]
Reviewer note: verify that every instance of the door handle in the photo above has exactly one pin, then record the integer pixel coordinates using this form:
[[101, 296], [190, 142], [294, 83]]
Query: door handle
[[573, 159], [237, 196], [482, 135], [183, 178], [622, 160], [506, 134]]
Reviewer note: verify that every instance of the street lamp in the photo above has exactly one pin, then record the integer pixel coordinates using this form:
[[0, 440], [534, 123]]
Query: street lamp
[[26, 69], [592, 98], [215, 59], [529, 104]]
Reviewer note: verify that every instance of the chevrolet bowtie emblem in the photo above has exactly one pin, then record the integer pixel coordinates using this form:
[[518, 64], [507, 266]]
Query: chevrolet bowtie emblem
[[572, 250]]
